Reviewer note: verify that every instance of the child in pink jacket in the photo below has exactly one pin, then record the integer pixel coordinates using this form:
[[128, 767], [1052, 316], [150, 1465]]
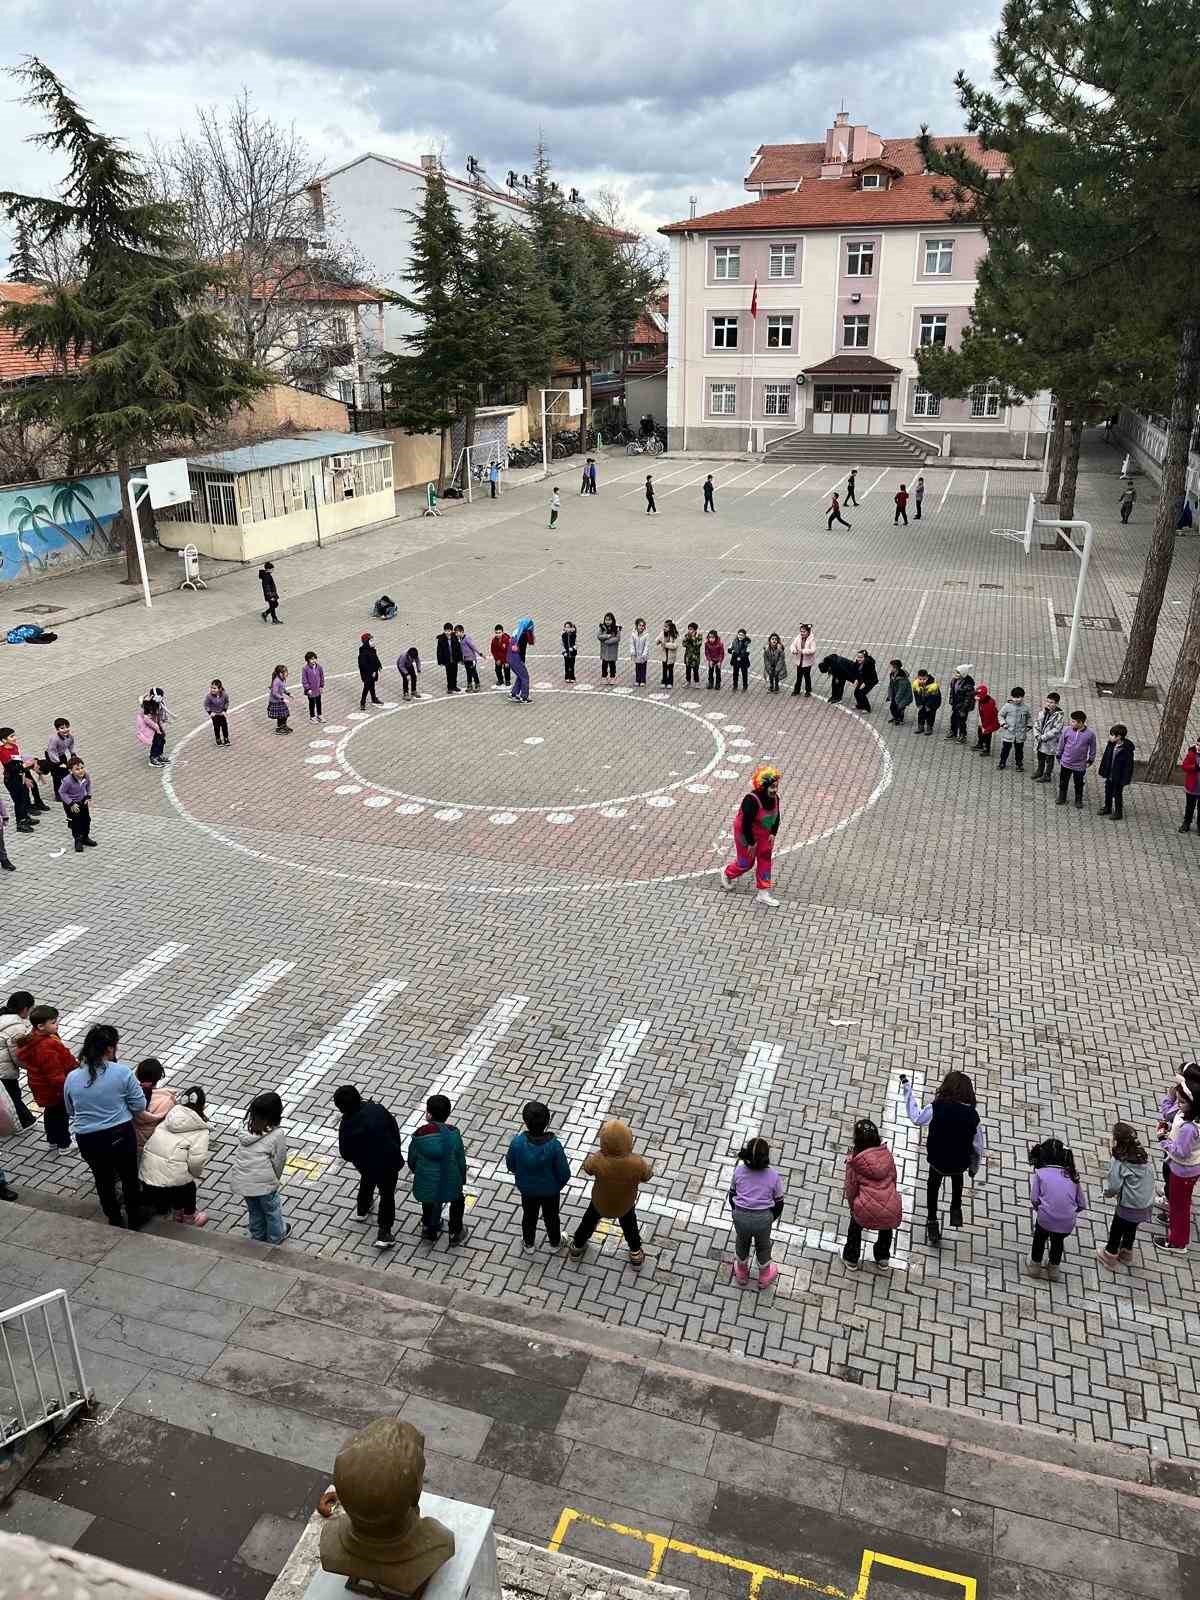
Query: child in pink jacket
[[150, 731]]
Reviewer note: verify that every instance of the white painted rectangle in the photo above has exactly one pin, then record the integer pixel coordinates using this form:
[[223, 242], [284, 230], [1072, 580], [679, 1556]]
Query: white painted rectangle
[[189, 1045], [465, 1064], [326, 1054], [597, 1095], [75, 1022], [16, 965]]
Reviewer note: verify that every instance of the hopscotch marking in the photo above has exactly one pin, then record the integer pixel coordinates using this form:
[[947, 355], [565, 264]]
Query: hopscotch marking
[[747, 1107], [598, 1093], [189, 1045], [35, 953], [468, 1062], [916, 622], [74, 1023], [765, 481], [326, 1054]]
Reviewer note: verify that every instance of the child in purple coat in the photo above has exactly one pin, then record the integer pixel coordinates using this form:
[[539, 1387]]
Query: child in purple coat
[[1057, 1199], [312, 681], [408, 665]]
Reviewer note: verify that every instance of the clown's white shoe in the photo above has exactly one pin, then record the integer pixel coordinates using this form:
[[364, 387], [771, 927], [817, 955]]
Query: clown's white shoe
[[765, 898]]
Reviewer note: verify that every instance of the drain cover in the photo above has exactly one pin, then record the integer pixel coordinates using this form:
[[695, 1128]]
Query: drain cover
[[38, 611]]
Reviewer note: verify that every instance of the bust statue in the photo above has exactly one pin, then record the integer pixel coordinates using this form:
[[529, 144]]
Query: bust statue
[[380, 1538]]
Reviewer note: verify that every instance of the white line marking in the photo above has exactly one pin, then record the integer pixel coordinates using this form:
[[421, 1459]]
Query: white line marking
[[801, 484], [1054, 629], [466, 1063], [912, 632], [34, 953], [946, 490], [409, 577], [514, 585], [871, 485], [696, 604], [327, 1052], [189, 1045], [667, 477], [983, 496], [903, 1139], [765, 481], [597, 1094], [297, 1132], [76, 1021], [746, 1109], [731, 549]]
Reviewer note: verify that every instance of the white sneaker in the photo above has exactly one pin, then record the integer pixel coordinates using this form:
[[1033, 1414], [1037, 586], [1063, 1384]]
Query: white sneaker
[[728, 883], [765, 898]]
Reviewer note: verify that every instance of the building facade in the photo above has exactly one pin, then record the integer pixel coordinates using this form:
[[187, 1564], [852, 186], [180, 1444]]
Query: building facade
[[800, 312]]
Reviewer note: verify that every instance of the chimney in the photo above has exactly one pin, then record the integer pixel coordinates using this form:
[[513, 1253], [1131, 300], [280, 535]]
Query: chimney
[[693, 202]]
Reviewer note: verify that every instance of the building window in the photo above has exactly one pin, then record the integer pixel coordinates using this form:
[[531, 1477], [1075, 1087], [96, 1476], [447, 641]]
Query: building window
[[777, 400], [783, 261], [856, 332], [723, 399], [727, 261], [985, 400], [346, 391], [939, 257], [860, 259], [340, 331], [779, 333], [933, 327], [724, 333], [925, 404], [871, 180]]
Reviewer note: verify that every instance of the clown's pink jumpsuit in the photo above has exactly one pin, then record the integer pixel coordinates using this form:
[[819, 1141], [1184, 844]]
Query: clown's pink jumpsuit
[[754, 841]]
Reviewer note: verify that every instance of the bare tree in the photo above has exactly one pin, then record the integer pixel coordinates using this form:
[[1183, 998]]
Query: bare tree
[[247, 186]]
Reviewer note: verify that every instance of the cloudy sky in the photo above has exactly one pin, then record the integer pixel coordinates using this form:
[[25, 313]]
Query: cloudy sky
[[657, 101]]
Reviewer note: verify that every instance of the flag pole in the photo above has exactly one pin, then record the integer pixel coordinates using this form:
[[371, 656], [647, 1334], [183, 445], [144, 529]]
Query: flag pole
[[753, 355]]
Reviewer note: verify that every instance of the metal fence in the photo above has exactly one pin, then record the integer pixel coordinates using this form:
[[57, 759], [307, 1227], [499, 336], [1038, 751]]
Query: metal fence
[[42, 1379]]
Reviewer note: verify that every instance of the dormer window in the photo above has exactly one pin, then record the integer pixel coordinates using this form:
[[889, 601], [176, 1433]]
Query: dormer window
[[871, 180]]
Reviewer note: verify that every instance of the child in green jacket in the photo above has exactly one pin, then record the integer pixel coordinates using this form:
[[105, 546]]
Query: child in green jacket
[[438, 1163]]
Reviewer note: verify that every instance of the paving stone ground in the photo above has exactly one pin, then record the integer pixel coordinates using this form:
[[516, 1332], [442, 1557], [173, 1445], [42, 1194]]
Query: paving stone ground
[[354, 903]]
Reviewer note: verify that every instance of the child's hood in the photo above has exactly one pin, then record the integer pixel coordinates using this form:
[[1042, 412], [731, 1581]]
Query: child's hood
[[183, 1119], [875, 1163], [247, 1139], [540, 1138], [616, 1139], [981, 692]]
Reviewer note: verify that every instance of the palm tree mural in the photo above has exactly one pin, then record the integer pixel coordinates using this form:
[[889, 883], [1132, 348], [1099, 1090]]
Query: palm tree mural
[[26, 517], [72, 502]]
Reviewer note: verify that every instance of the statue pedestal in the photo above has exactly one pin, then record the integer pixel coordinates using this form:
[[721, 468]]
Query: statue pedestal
[[470, 1574]]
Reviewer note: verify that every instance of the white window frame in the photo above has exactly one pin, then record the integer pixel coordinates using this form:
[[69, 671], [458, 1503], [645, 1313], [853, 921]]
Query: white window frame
[[925, 403], [724, 325], [858, 323], [932, 323], [939, 250], [786, 254], [777, 400], [723, 256], [871, 180], [345, 384], [724, 392], [784, 322], [862, 249], [985, 400]]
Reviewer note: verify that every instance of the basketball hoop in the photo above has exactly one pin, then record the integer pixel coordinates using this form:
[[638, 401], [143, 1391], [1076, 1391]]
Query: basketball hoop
[[1022, 536]]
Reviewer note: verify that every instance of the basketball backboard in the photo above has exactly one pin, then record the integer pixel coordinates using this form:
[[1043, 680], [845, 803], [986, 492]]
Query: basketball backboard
[[167, 482], [574, 402]]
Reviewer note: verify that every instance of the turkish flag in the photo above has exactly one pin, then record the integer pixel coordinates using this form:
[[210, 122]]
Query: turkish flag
[[754, 300]]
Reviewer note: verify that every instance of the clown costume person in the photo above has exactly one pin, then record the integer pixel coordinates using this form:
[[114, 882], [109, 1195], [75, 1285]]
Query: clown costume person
[[755, 825], [522, 638]]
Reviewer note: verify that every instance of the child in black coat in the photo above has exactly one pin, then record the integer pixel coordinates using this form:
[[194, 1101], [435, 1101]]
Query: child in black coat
[[1116, 768]]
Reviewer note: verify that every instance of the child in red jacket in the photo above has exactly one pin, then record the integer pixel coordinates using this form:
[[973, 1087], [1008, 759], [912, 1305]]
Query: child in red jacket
[[498, 646], [874, 1198], [47, 1061], [989, 719], [1191, 784]]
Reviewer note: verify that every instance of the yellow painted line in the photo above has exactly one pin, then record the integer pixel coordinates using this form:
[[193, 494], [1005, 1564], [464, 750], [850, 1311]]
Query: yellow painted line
[[304, 1166], [874, 1558]]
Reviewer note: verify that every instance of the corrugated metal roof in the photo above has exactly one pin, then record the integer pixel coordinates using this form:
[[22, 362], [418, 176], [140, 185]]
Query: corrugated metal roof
[[282, 452]]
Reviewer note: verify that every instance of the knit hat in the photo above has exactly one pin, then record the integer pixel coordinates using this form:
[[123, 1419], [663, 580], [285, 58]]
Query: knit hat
[[964, 666], [365, 638]]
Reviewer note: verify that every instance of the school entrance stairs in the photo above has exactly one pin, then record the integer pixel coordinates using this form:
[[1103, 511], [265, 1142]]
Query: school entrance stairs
[[850, 450]]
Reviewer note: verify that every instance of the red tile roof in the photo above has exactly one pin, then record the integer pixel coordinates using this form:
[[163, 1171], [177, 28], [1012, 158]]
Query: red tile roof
[[829, 203], [787, 163], [16, 363], [647, 331]]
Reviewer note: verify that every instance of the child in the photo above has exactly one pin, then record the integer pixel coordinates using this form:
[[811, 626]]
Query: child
[[866, 679], [158, 1100], [570, 650], [385, 608], [756, 1197], [609, 635], [5, 864], [173, 1162], [1076, 753], [277, 700], [668, 647], [693, 649], [954, 1145], [159, 696], [1180, 1144], [900, 692], [470, 656], [312, 681], [555, 507], [927, 694], [47, 1061], [1131, 1180], [60, 747], [988, 714], [1128, 496], [498, 647], [258, 1163], [151, 732], [1057, 1200], [448, 654], [639, 649], [20, 790], [541, 1171], [14, 1025], [1015, 721], [1191, 784], [804, 654], [739, 659], [1116, 768], [216, 703], [518, 647], [75, 792], [1046, 731], [962, 701], [774, 662], [870, 1187], [714, 654], [408, 665], [650, 505], [617, 1173], [438, 1163]]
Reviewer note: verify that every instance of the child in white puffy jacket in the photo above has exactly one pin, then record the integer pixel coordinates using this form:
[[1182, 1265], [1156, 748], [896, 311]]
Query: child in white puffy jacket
[[258, 1164], [174, 1159]]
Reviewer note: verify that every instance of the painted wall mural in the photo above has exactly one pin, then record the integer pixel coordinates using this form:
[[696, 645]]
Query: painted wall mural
[[59, 523]]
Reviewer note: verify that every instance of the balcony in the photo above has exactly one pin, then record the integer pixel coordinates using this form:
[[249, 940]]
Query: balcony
[[320, 358]]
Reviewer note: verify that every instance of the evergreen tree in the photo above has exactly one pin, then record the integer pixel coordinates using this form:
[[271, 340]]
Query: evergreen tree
[[138, 361], [23, 263], [529, 316]]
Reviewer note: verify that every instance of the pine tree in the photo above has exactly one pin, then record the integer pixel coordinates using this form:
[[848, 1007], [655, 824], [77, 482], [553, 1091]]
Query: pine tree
[[23, 263], [138, 361], [529, 316]]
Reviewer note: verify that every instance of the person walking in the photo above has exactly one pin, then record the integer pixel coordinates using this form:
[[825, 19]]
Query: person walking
[[803, 651], [617, 1175], [14, 1025], [266, 577], [102, 1096], [1128, 496], [494, 479], [954, 1145], [1076, 753], [865, 679], [900, 691], [522, 637], [756, 1200], [918, 496], [449, 656], [1191, 785], [873, 1194], [755, 826], [75, 793], [541, 1172], [369, 1139], [850, 498], [901, 512], [556, 504], [1116, 768], [709, 503], [369, 668], [1046, 730], [591, 475], [650, 505], [834, 514], [438, 1163]]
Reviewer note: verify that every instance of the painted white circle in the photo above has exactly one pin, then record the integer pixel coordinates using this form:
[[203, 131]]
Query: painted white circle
[[724, 775], [742, 760], [536, 739], [740, 743], [545, 684], [334, 727], [389, 705], [699, 788], [612, 811], [735, 727], [586, 688], [690, 705], [327, 777], [321, 744], [376, 800], [359, 716], [447, 814], [409, 809], [317, 761], [715, 716], [661, 800], [623, 690], [503, 819], [559, 818], [659, 697], [347, 788]]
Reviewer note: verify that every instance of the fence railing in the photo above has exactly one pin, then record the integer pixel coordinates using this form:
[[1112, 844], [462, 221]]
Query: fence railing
[[1149, 437], [42, 1379]]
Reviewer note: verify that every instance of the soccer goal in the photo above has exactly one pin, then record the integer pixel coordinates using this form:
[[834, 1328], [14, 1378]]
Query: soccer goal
[[472, 470]]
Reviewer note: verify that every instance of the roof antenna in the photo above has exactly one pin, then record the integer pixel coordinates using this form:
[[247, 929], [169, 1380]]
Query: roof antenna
[[693, 202]]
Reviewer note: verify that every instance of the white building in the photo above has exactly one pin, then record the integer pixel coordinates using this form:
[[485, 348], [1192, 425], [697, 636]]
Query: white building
[[856, 265]]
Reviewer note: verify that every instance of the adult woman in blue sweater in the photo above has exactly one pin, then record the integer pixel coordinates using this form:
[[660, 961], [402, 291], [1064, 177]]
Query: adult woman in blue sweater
[[102, 1096]]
